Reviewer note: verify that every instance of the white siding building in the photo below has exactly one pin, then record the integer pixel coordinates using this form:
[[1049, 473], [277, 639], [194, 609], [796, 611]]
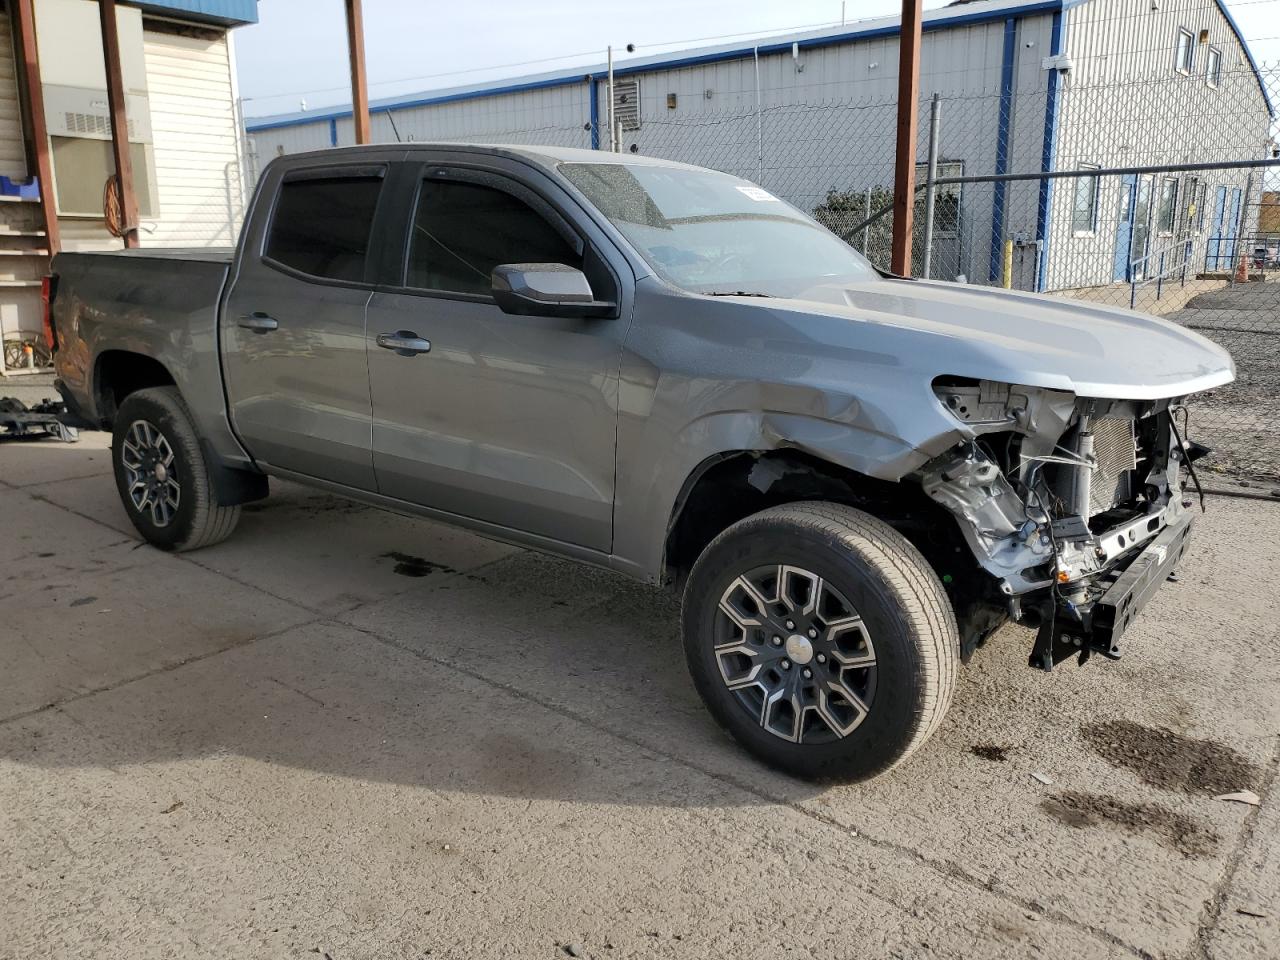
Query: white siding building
[[1024, 86], [186, 139]]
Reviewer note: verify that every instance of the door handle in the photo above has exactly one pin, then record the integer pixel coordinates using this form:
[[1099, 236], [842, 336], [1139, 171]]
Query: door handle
[[405, 343], [258, 322]]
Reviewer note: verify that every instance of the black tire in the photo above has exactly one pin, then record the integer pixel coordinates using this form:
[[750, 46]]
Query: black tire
[[196, 520], [908, 638]]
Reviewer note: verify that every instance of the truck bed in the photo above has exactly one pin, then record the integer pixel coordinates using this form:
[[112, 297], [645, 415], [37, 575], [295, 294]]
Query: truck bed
[[157, 303]]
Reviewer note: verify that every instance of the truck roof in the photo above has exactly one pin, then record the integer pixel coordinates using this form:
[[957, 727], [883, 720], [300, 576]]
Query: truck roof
[[547, 156]]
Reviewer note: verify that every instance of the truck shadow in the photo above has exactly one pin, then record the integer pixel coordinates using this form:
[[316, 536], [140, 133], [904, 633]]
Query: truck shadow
[[488, 670]]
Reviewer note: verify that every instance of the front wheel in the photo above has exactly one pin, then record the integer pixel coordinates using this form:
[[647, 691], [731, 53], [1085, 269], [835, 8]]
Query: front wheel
[[821, 639], [162, 474]]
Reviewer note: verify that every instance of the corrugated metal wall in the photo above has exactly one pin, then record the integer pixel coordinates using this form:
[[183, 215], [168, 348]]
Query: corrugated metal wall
[[1117, 105]]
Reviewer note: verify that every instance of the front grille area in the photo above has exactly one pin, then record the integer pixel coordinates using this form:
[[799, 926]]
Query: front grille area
[[1116, 452]]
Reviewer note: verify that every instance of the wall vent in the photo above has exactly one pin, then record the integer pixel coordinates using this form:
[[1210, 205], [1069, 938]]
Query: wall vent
[[626, 103]]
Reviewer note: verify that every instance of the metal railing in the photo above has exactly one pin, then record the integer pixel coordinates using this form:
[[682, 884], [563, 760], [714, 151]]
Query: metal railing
[[1174, 259]]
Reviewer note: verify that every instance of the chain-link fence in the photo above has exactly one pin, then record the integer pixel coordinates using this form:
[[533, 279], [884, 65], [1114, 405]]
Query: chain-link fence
[[1124, 176], [1160, 195]]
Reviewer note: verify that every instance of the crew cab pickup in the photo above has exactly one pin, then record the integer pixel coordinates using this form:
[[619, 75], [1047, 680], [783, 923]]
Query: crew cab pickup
[[854, 479]]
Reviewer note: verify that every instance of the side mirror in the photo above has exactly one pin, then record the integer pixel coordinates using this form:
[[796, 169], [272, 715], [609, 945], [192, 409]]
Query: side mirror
[[546, 290]]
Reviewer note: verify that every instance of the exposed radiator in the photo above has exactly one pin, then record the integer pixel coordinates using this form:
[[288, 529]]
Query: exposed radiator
[[1116, 451]]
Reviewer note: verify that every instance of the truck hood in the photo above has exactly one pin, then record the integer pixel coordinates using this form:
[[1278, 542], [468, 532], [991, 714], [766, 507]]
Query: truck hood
[[979, 332]]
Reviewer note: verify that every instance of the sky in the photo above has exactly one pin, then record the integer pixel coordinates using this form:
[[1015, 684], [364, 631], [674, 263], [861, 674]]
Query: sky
[[297, 52]]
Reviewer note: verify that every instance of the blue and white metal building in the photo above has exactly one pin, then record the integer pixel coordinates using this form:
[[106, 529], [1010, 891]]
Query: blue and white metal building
[[1027, 85]]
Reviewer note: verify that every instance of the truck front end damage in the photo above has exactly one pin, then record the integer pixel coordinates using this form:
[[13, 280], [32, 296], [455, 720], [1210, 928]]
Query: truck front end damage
[[1075, 506]]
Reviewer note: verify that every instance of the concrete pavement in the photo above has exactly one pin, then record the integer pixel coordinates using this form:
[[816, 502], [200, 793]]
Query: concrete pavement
[[347, 733]]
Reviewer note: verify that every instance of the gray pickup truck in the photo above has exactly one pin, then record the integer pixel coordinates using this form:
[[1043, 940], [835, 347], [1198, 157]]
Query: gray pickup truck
[[854, 479]]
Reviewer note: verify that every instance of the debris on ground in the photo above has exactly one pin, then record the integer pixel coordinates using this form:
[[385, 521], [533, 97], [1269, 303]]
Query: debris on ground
[[1042, 778], [1244, 911], [1241, 796], [18, 421]]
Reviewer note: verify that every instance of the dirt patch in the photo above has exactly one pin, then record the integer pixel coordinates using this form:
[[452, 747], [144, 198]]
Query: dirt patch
[[989, 751], [408, 565], [1169, 760], [1173, 830]]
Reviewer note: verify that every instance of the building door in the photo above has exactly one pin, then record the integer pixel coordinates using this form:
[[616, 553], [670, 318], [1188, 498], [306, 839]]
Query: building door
[[1213, 257], [1231, 229], [1133, 228], [1124, 227]]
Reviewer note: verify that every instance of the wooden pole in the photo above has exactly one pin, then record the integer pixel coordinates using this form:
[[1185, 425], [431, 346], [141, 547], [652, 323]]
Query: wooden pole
[[119, 122], [30, 67], [359, 81], [904, 180]]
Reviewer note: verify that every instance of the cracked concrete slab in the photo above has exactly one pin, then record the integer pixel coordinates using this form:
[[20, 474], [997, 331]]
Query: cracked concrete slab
[[323, 791], [609, 651], [535, 718]]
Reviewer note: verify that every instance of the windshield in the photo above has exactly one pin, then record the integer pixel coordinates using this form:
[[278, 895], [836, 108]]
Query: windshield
[[711, 233]]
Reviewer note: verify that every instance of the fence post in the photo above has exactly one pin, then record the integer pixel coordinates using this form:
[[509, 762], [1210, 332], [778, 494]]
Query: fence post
[[866, 230], [1006, 275], [935, 107]]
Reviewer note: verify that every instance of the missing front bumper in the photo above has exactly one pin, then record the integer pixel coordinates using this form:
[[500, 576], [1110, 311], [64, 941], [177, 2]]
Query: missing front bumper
[[1067, 629]]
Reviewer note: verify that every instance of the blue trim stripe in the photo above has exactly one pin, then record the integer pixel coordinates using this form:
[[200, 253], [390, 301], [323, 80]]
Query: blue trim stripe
[[938, 22], [333, 131], [1047, 154], [595, 114], [1002, 144]]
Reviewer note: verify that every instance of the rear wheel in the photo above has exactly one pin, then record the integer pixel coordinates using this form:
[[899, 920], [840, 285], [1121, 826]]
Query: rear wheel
[[821, 639], [162, 475]]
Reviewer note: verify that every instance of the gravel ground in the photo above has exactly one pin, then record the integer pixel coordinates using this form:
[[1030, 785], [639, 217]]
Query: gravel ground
[[1241, 422], [346, 734]]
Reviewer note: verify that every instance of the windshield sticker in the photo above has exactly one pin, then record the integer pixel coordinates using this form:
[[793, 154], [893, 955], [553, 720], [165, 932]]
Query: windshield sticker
[[755, 193]]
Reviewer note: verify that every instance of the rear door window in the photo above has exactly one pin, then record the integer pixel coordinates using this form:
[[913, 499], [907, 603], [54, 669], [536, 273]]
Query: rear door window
[[322, 225]]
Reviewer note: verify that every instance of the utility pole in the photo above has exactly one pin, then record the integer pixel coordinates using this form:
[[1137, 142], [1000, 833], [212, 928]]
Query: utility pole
[[904, 180], [119, 123], [359, 79]]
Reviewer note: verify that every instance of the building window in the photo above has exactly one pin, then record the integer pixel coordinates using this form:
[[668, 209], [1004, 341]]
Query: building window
[[1168, 209], [1186, 51], [321, 227], [1213, 72], [1084, 209]]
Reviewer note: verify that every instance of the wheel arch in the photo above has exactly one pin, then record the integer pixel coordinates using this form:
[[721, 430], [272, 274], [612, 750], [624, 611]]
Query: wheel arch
[[118, 372], [730, 485]]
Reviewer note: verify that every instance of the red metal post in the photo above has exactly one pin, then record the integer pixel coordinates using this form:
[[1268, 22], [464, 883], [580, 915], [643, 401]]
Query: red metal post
[[119, 122], [359, 81], [30, 66], [904, 180]]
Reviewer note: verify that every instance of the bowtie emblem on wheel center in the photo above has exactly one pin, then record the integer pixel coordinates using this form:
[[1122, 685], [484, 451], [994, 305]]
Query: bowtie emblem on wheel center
[[799, 649]]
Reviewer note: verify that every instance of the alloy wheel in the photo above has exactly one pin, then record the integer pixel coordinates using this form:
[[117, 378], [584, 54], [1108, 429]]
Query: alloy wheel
[[795, 654], [151, 472]]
